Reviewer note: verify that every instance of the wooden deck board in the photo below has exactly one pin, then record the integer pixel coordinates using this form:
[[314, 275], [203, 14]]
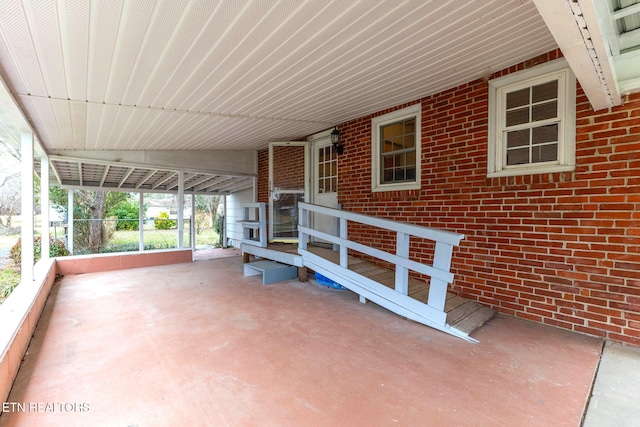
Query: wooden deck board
[[462, 311], [454, 302], [474, 320]]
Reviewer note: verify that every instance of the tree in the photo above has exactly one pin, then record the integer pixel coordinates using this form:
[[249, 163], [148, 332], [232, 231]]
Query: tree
[[90, 206], [10, 195], [10, 188], [208, 204], [127, 213]]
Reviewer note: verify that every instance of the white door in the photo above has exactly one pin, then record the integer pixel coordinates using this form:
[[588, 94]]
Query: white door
[[324, 180], [288, 179]]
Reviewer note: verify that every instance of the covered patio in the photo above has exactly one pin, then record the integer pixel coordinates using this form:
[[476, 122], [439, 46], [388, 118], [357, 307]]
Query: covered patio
[[178, 345], [158, 97]]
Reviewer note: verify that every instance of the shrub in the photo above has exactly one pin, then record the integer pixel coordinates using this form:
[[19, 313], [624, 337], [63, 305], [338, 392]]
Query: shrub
[[218, 223], [127, 214], [56, 248], [162, 222]]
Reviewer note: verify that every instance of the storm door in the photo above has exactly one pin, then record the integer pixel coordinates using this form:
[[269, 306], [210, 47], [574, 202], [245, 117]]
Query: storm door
[[288, 177]]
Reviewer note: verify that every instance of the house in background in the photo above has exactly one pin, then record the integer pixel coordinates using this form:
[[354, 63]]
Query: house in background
[[513, 122]]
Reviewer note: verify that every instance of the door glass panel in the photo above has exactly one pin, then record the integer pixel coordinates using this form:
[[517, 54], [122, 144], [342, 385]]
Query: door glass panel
[[327, 170], [287, 189], [285, 215]]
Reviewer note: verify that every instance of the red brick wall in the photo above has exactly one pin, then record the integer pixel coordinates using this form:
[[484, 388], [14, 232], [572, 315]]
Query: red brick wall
[[561, 249]]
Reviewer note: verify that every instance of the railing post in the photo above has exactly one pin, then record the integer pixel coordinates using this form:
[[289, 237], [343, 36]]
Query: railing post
[[262, 217], [344, 254], [402, 273], [437, 287], [303, 220]]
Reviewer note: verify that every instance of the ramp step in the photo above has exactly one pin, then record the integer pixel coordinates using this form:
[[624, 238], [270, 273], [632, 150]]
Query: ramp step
[[469, 317], [271, 271]]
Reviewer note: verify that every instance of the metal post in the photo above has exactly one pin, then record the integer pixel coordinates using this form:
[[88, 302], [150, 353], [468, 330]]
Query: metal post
[[192, 229], [223, 223], [44, 205], [180, 209], [70, 222], [141, 222], [26, 261]]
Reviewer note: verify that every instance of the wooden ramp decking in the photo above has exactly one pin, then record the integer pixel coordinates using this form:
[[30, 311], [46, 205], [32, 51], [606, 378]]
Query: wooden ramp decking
[[463, 316]]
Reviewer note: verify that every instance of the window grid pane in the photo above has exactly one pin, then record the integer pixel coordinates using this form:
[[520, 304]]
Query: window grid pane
[[327, 170], [525, 140], [398, 151]]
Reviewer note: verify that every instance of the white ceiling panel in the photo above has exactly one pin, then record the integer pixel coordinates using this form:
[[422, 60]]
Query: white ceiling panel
[[228, 74]]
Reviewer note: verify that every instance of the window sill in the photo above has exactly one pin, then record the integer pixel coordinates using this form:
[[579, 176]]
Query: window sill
[[532, 170], [395, 187]]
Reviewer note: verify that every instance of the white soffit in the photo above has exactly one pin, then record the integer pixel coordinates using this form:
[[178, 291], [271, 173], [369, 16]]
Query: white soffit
[[233, 75], [587, 58], [601, 41], [619, 23]]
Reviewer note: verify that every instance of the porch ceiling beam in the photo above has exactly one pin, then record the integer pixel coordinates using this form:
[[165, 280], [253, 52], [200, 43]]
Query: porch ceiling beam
[[215, 183], [144, 179], [228, 185], [630, 39], [200, 181], [125, 177], [188, 176], [174, 182], [165, 179], [210, 184], [626, 11], [104, 174], [241, 185], [237, 163], [54, 168]]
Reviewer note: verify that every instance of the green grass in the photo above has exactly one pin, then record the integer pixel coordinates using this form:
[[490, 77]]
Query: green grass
[[128, 240], [9, 279], [10, 273]]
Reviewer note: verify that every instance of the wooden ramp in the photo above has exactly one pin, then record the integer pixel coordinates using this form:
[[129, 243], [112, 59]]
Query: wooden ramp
[[463, 316], [394, 289]]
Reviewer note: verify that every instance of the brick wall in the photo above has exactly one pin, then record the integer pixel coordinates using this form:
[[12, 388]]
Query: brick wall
[[288, 170], [561, 249]]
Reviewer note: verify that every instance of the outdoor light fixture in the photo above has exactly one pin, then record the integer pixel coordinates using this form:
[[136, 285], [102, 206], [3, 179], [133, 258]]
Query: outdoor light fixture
[[335, 140]]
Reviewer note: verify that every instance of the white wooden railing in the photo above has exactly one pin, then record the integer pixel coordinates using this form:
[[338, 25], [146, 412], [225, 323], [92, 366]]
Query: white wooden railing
[[254, 224], [396, 299]]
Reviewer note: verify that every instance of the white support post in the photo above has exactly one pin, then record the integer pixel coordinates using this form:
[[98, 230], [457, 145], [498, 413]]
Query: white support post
[[192, 228], [44, 205], [438, 288], [336, 227], [402, 273], [181, 209], [344, 253], [303, 219], [27, 214], [141, 222], [70, 222], [223, 224]]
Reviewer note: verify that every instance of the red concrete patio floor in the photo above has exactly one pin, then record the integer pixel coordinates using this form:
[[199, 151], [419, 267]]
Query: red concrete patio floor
[[198, 344]]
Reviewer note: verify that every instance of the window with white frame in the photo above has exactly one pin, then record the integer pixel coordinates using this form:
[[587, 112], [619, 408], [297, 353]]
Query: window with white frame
[[532, 121], [395, 139]]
